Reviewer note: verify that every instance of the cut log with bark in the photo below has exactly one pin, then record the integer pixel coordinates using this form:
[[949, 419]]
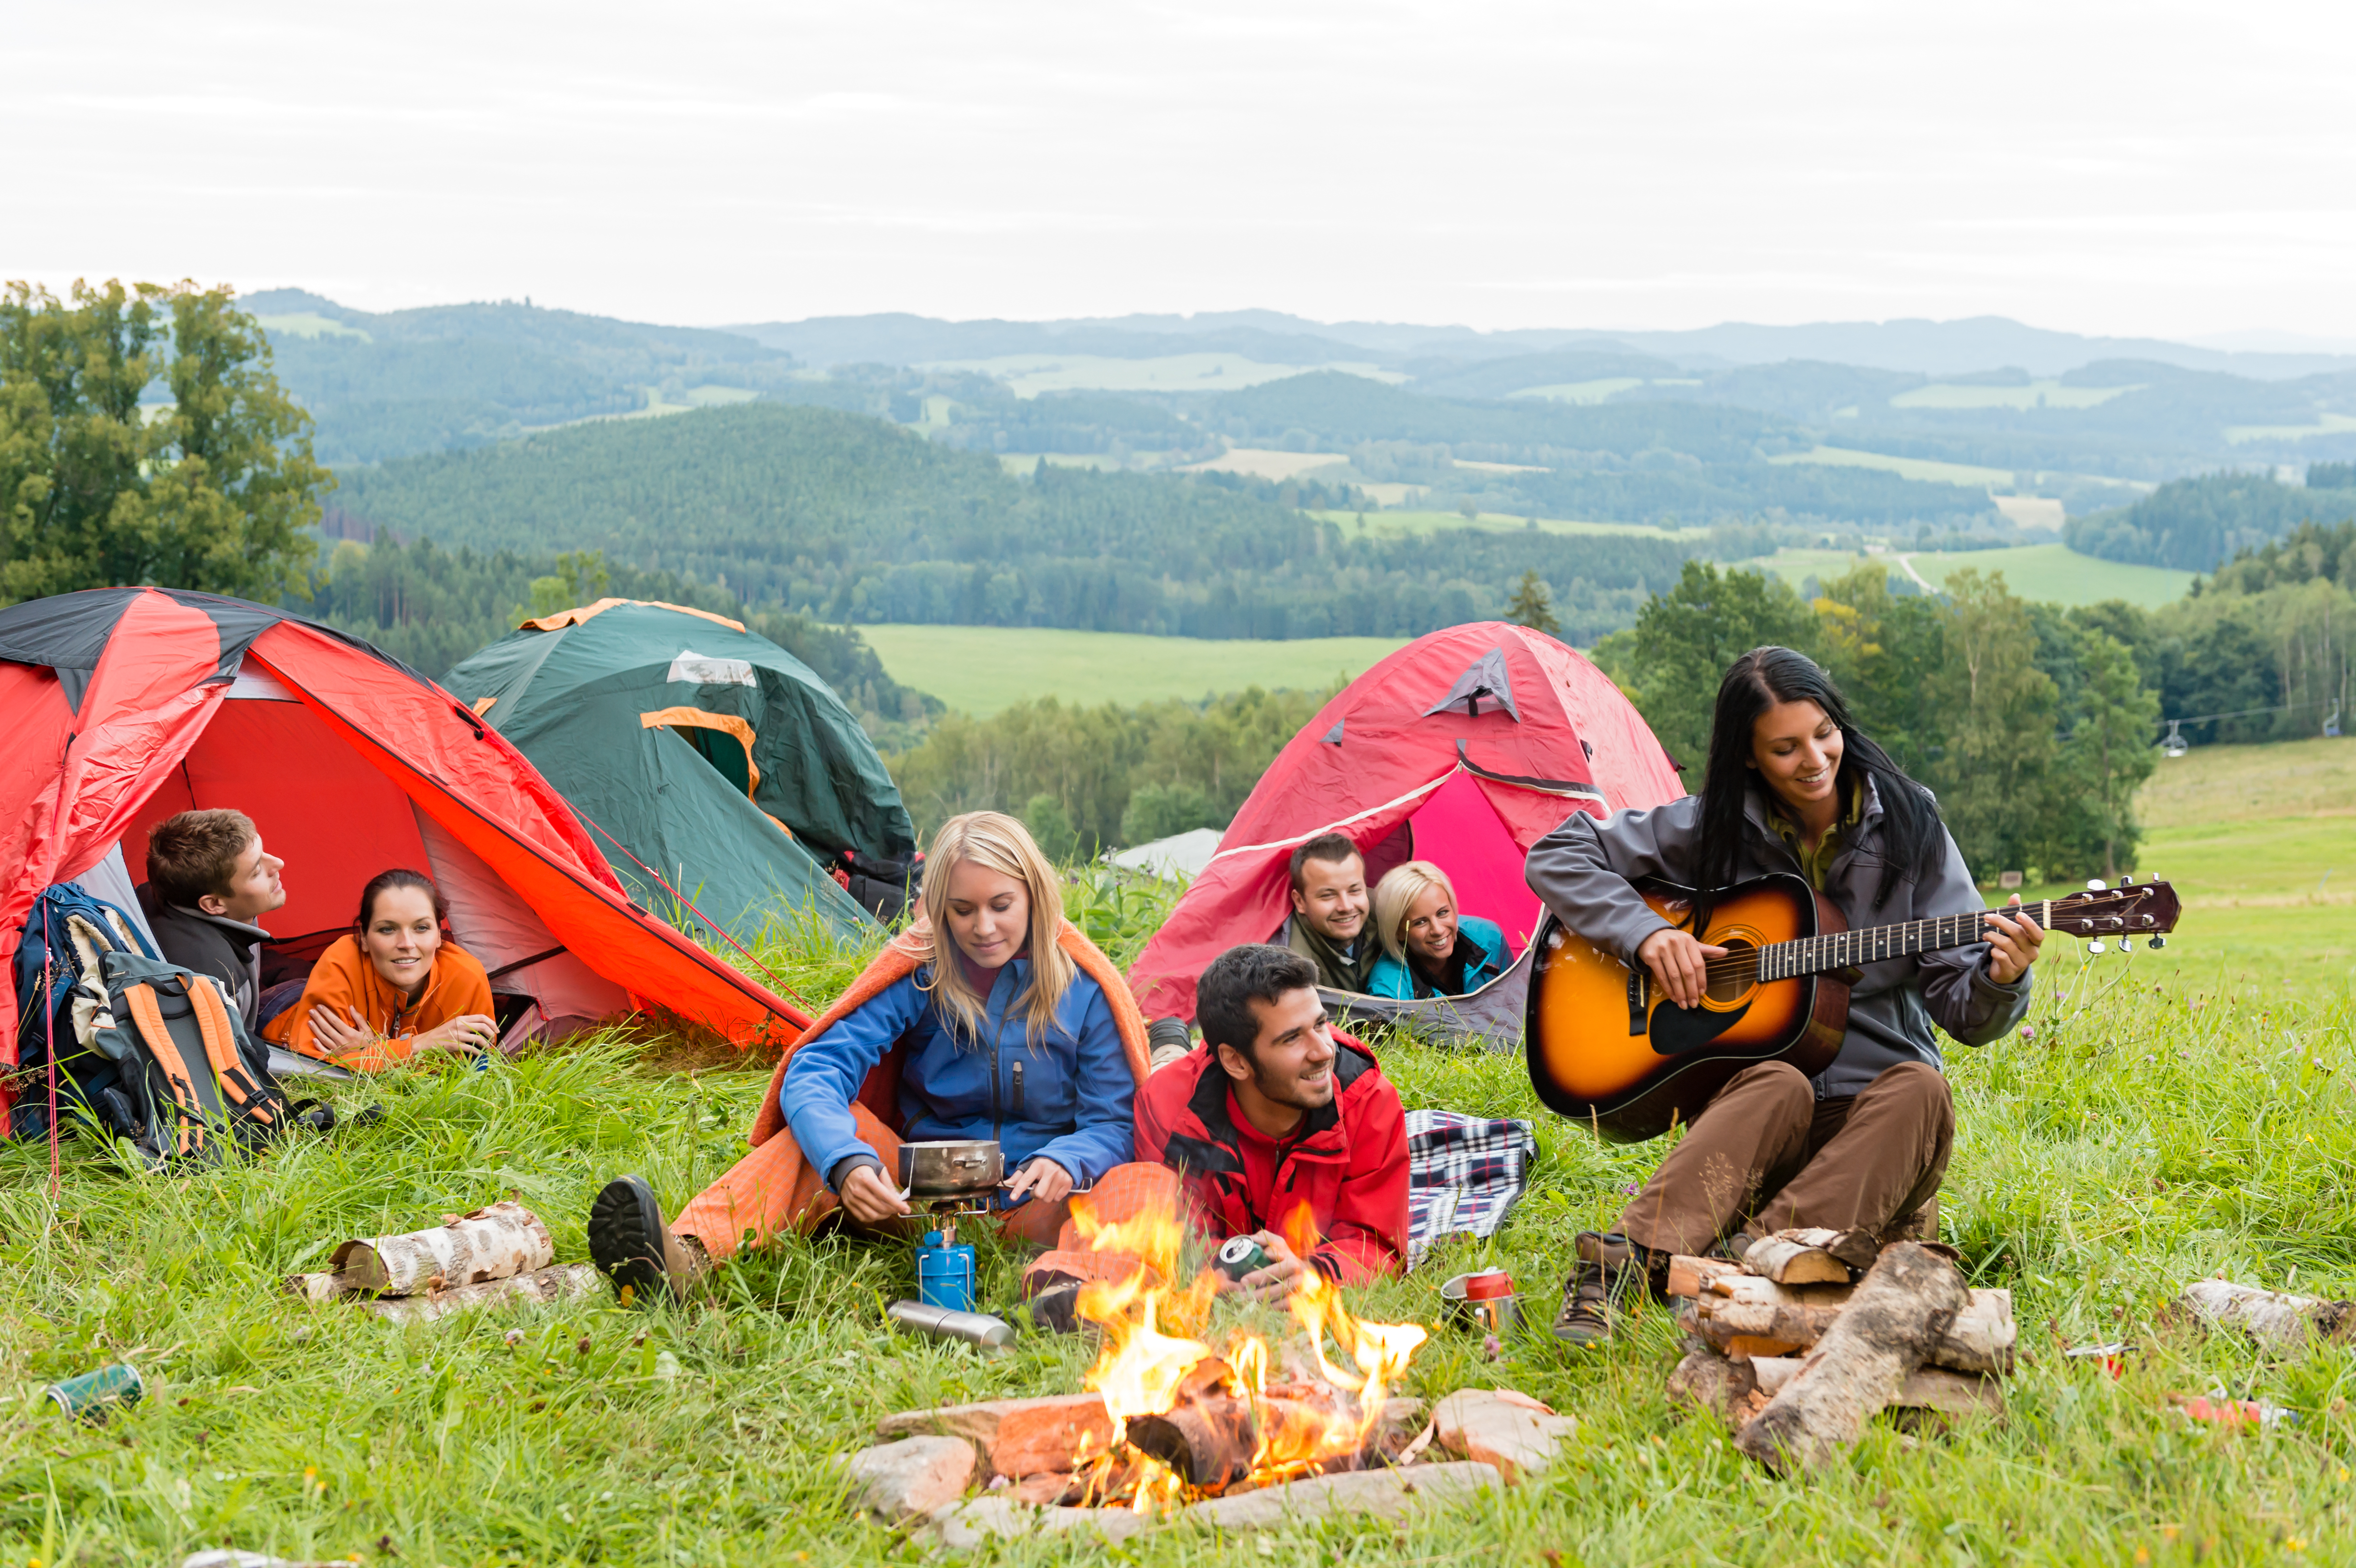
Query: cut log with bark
[[1928, 1388], [2275, 1320], [1799, 1257], [1696, 1279], [325, 1285], [1207, 1442], [1980, 1341], [1707, 1381], [497, 1243], [560, 1281], [1889, 1328]]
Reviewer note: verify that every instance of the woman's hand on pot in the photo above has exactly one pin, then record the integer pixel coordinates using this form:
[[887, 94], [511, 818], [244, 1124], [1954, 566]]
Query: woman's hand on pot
[[1041, 1179], [870, 1199]]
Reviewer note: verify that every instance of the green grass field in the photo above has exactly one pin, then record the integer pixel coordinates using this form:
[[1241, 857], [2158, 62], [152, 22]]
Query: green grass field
[[2158, 1123], [2052, 573], [1403, 524], [2045, 394], [1920, 468], [980, 669]]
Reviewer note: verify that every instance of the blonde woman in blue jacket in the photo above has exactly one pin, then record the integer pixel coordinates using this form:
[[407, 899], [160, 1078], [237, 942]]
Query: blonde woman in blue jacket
[[1429, 948]]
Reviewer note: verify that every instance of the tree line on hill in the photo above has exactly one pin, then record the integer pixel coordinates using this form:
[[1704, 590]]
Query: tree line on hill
[[2197, 524], [849, 519]]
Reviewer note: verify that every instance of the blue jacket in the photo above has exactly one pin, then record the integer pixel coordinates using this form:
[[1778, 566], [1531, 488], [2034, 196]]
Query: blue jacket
[[1076, 1093], [1478, 942]]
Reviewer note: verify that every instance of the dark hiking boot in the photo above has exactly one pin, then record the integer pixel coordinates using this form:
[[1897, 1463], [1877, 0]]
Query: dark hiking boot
[[1610, 1272], [1055, 1300], [628, 1240]]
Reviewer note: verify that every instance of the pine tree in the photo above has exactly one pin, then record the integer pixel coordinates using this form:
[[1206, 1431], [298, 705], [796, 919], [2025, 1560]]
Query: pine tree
[[1533, 606]]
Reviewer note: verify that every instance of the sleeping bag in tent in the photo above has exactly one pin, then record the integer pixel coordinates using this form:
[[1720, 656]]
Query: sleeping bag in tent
[[1463, 748], [724, 781], [125, 705]]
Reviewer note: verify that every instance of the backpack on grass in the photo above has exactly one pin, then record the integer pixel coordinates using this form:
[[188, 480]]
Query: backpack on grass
[[146, 1050]]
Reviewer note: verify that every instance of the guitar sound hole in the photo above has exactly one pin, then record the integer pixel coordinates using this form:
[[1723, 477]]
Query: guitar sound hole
[[1734, 973]]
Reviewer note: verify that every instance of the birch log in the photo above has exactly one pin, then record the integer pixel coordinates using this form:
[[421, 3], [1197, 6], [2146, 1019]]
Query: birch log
[[2274, 1320], [1928, 1388], [1980, 1341], [1887, 1331], [1805, 1257], [497, 1243], [560, 1281]]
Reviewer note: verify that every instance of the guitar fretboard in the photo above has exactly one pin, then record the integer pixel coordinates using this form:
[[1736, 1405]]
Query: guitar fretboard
[[1851, 949]]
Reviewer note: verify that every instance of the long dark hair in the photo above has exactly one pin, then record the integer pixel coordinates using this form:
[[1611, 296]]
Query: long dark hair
[[385, 881], [1756, 682]]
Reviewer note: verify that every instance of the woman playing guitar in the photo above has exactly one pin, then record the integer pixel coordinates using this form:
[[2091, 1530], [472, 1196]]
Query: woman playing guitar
[[1792, 785]]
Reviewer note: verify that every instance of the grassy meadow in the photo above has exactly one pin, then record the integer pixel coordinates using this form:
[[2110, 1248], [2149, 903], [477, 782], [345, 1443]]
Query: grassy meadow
[[2170, 1116], [2052, 573], [981, 670]]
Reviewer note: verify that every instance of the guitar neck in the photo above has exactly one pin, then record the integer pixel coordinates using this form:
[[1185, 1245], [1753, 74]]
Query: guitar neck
[[1854, 949]]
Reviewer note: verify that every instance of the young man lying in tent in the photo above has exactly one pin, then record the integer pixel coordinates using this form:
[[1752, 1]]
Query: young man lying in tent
[[1792, 785], [209, 881], [1280, 1129], [990, 1017], [398, 985], [1329, 912]]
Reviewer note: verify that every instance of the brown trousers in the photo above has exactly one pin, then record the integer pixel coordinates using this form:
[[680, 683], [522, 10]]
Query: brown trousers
[[1766, 1155]]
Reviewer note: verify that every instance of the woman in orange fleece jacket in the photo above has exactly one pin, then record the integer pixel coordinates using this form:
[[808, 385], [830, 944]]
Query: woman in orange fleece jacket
[[396, 987]]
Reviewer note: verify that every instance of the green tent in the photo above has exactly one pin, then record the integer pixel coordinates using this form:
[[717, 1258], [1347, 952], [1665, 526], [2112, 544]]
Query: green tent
[[694, 749]]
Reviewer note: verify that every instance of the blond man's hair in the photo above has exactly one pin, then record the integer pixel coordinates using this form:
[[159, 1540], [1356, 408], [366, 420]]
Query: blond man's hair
[[1396, 894], [997, 842]]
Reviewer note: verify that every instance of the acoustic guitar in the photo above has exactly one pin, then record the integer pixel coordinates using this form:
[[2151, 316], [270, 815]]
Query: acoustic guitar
[[1608, 1048]]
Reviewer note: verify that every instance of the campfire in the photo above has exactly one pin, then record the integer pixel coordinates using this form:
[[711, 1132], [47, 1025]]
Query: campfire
[[1189, 1422]]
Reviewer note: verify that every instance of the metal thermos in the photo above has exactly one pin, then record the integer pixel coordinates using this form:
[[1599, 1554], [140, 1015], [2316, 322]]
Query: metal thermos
[[1484, 1301], [944, 1272], [974, 1327]]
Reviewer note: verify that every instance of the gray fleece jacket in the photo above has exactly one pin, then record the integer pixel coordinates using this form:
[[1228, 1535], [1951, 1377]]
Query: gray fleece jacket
[[1584, 870]]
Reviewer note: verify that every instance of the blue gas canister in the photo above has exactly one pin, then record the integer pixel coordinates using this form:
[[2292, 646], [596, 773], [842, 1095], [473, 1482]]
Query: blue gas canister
[[944, 1273]]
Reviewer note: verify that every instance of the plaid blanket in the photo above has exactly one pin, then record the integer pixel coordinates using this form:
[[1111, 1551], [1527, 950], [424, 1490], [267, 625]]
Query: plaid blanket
[[1464, 1175]]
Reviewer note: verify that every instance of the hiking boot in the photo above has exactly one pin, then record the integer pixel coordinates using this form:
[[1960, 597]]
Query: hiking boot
[[1054, 1297], [628, 1240], [1166, 1041], [1610, 1269]]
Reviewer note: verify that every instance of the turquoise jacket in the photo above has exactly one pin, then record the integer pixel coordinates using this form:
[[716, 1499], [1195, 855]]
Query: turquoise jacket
[[1480, 947]]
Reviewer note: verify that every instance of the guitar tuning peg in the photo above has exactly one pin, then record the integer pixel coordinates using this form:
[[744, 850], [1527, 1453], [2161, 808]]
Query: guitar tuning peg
[[2127, 881], [2157, 943], [2095, 946], [2126, 944], [2096, 884]]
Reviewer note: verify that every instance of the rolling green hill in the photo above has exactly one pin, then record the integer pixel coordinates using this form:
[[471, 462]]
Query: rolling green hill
[[852, 519]]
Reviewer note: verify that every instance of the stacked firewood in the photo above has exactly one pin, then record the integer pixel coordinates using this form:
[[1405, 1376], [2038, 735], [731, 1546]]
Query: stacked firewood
[[500, 1253], [1798, 1347]]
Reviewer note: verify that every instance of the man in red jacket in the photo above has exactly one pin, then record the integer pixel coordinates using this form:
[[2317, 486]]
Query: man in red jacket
[[1279, 1128]]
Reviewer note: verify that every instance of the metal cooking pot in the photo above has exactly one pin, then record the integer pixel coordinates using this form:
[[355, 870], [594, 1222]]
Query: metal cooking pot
[[951, 1168]]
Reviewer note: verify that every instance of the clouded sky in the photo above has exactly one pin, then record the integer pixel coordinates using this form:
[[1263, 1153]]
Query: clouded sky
[[2175, 169]]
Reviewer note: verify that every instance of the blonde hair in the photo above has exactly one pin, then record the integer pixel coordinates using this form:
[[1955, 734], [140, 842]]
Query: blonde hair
[[998, 842], [1396, 894]]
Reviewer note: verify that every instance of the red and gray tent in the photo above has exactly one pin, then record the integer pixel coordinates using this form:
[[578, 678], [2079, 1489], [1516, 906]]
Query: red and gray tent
[[1464, 748], [124, 705]]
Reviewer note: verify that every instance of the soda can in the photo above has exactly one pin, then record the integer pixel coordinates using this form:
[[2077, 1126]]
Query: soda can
[[1239, 1256], [93, 1395]]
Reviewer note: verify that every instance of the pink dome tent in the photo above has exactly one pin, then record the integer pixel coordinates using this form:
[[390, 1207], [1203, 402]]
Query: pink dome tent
[[1464, 748]]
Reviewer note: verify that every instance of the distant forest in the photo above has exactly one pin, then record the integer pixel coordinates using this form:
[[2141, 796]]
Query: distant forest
[[2194, 524], [846, 519]]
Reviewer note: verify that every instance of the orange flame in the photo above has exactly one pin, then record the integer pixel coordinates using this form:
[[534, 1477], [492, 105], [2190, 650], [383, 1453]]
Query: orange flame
[[1150, 1348]]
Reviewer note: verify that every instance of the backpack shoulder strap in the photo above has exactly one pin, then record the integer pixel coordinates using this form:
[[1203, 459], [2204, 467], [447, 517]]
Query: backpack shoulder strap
[[227, 1063], [147, 1018]]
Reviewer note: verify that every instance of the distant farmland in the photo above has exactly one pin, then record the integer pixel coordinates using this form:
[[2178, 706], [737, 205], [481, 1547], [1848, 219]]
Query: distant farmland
[[980, 669]]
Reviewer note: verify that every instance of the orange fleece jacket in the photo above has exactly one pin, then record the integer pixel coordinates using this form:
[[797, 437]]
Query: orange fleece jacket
[[345, 983]]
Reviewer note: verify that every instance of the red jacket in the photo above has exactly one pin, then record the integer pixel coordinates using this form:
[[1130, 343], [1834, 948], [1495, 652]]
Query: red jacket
[[1346, 1161]]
